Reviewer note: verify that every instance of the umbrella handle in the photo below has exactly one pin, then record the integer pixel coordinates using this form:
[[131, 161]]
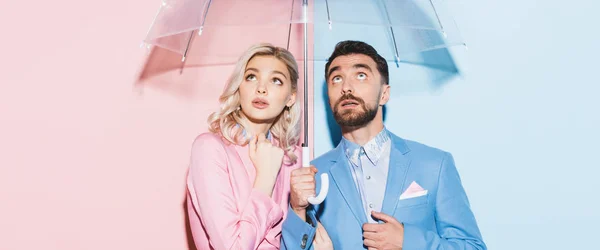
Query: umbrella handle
[[324, 179]]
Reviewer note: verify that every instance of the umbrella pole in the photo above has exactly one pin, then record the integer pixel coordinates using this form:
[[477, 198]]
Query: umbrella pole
[[305, 150], [305, 13]]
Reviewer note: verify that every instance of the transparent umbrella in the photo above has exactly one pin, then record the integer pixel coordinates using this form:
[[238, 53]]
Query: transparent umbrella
[[413, 35]]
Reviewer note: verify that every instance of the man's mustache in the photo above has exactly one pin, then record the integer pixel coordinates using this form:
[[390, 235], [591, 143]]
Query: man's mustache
[[349, 97]]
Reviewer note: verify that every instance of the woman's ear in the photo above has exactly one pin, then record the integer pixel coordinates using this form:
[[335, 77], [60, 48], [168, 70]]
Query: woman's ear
[[291, 100]]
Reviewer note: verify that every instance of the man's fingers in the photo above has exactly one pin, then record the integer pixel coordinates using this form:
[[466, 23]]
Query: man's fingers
[[309, 193], [372, 227], [304, 187], [303, 179], [303, 171], [384, 217], [370, 236], [371, 244]]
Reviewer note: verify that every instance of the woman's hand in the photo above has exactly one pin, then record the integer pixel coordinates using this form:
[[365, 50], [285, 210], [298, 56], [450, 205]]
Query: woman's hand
[[322, 240], [267, 159]]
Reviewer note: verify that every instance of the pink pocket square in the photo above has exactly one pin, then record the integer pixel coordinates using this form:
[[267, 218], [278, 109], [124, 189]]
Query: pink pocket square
[[413, 190]]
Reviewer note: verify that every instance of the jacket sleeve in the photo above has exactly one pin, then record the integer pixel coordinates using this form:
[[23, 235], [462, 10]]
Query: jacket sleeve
[[226, 225], [296, 233], [456, 225]]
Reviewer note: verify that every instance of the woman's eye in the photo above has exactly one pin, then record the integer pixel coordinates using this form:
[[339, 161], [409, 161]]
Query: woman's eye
[[362, 76], [251, 78], [277, 81], [336, 79]]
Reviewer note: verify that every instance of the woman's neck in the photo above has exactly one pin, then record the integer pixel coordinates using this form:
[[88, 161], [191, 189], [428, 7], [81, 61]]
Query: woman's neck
[[257, 128]]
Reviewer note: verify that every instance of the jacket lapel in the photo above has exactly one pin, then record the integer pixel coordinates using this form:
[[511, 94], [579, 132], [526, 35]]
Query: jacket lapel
[[398, 168], [340, 172]]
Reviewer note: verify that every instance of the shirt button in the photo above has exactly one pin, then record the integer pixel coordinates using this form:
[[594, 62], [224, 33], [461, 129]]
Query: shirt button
[[371, 205], [368, 177]]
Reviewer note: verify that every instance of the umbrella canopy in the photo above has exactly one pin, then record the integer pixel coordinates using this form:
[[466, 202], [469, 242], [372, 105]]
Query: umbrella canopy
[[413, 35], [216, 32]]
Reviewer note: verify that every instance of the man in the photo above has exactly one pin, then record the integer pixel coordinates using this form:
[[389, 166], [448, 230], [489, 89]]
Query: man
[[386, 192]]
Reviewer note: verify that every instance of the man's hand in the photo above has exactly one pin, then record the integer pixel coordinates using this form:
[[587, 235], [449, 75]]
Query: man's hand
[[302, 182], [389, 235]]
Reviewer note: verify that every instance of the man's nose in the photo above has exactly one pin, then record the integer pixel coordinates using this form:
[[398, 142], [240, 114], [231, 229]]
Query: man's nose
[[347, 87]]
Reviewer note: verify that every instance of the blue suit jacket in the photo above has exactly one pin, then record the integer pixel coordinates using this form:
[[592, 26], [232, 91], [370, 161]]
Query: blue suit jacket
[[441, 219]]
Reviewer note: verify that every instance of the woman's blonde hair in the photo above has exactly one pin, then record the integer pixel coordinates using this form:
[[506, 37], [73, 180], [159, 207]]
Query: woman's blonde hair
[[285, 129]]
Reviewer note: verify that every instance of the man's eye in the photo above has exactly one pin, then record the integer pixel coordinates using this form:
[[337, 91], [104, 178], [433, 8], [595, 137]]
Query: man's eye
[[362, 76], [336, 79]]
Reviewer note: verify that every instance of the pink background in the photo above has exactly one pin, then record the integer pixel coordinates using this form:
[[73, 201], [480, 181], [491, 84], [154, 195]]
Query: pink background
[[85, 163], [91, 158]]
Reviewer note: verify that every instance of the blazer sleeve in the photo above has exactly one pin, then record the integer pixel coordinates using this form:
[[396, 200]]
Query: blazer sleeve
[[226, 225], [297, 233], [456, 225]]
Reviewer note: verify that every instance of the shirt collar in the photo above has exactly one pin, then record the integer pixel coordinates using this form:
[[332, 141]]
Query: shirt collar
[[373, 149], [249, 135]]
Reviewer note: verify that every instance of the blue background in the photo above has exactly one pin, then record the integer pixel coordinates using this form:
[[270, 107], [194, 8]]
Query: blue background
[[522, 121]]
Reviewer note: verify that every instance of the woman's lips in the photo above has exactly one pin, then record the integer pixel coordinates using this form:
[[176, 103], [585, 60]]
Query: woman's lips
[[260, 103]]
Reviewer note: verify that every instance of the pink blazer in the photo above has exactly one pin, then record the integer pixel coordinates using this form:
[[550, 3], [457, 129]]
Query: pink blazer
[[225, 211]]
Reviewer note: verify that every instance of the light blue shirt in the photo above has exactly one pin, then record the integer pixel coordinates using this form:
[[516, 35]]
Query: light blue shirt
[[246, 135], [369, 166]]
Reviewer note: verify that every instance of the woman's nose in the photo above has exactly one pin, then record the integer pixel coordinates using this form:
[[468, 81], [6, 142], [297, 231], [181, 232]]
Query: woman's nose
[[261, 89]]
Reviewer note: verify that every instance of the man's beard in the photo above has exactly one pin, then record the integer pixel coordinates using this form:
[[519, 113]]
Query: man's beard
[[354, 117]]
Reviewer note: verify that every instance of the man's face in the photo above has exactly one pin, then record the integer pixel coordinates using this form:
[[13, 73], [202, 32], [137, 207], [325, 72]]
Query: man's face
[[355, 90]]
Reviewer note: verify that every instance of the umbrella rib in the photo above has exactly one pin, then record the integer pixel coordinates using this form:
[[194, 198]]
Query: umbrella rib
[[438, 18], [153, 22], [204, 18], [187, 47], [392, 31], [290, 28], [328, 16]]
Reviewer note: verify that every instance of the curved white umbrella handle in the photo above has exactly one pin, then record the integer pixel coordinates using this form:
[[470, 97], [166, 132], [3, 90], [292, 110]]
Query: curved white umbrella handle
[[324, 179]]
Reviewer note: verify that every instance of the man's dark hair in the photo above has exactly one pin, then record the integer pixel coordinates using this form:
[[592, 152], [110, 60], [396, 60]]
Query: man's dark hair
[[357, 47]]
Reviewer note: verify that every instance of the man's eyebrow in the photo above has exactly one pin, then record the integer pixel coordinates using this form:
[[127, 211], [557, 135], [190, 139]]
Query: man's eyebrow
[[331, 70], [362, 65], [356, 66]]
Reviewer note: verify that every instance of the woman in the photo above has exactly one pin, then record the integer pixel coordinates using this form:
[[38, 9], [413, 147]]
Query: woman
[[238, 181]]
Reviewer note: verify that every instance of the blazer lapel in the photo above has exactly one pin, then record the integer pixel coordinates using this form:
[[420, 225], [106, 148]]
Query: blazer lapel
[[398, 168], [340, 172]]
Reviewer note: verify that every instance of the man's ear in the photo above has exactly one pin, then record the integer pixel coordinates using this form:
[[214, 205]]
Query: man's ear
[[385, 94]]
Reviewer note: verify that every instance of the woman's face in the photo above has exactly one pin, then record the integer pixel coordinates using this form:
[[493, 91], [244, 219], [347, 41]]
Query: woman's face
[[266, 89]]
